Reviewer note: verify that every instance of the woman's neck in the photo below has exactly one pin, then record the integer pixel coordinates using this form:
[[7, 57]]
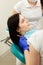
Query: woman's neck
[[32, 3], [22, 33]]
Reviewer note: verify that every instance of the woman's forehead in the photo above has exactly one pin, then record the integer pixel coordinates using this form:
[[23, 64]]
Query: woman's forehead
[[21, 16]]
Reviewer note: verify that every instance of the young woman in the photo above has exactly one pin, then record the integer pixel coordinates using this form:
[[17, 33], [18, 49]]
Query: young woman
[[31, 10], [33, 45]]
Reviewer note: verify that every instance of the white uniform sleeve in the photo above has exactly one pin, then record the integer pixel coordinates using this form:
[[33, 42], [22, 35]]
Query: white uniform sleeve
[[17, 7], [36, 40]]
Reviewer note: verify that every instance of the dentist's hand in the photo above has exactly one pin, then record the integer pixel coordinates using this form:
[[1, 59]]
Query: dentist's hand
[[23, 43]]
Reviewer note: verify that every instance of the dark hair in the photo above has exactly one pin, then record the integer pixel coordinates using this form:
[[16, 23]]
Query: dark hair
[[13, 22], [41, 3]]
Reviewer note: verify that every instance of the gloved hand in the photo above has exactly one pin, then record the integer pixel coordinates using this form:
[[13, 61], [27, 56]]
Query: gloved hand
[[23, 43]]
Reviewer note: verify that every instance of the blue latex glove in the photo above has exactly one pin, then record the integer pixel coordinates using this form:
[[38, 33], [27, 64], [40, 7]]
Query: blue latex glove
[[23, 43]]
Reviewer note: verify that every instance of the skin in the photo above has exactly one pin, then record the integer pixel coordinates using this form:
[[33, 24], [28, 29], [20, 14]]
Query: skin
[[23, 25], [32, 3], [32, 57]]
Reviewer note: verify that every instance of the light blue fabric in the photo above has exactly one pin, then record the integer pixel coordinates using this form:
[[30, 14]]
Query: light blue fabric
[[29, 33]]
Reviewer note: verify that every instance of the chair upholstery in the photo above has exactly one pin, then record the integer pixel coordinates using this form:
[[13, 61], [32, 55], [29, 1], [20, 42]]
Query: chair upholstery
[[17, 52]]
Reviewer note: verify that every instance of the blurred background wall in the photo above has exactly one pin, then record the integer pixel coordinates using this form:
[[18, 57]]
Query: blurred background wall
[[6, 7]]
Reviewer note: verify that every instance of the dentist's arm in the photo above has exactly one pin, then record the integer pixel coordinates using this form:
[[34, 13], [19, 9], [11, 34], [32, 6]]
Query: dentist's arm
[[32, 57]]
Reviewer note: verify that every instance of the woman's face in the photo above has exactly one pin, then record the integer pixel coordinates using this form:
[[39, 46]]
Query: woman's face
[[24, 25]]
